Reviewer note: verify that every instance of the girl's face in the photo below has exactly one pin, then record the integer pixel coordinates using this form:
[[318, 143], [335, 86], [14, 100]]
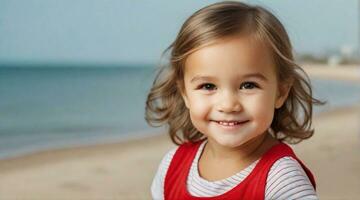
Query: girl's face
[[231, 90]]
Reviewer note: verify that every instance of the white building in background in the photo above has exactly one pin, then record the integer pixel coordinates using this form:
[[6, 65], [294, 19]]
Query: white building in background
[[334, 60], [347, 51]]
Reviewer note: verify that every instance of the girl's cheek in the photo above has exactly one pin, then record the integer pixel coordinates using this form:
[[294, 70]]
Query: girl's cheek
[[263, 110], [200, 106]]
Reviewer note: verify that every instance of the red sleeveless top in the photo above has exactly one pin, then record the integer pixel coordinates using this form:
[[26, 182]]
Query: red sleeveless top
[[252, 187]]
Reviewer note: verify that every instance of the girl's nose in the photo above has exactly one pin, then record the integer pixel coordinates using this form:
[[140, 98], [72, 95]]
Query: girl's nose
[[229, 103]]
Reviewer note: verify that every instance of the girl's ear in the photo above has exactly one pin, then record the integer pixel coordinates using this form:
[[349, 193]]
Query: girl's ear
[[282, 94]]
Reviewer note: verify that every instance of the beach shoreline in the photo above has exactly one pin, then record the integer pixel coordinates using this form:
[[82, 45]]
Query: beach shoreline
[[124, 170]]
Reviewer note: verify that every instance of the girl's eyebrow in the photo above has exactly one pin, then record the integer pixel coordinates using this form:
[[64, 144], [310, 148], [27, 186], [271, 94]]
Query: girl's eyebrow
[[251, 75]]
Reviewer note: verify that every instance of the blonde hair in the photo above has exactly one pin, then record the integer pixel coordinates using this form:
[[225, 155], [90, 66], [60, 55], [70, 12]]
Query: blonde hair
[[164, 104]]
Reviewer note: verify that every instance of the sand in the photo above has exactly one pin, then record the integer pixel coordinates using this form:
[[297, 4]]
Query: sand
[[346, 73], [124, 170]]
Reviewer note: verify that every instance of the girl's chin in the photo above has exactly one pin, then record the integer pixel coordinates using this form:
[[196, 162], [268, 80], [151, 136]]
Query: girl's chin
[[230, 142]]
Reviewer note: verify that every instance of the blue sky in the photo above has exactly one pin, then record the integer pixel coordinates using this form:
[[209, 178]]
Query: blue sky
[[137, 31]]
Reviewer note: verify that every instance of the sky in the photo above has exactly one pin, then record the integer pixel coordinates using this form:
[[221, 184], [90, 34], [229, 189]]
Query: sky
[[137, 31]]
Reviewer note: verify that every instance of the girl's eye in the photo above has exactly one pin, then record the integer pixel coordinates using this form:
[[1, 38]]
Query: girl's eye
[[207, 86], [248, 85]]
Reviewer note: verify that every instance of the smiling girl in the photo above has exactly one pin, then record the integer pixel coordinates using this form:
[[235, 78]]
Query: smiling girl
[[231, 96]]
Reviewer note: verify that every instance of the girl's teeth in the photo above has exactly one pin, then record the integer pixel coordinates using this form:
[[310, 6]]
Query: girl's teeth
[[228, 123]]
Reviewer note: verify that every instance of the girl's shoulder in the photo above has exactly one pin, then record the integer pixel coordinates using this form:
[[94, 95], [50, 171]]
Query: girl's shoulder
[[286, 179], [167, 158], [157, 186], [165, 162]]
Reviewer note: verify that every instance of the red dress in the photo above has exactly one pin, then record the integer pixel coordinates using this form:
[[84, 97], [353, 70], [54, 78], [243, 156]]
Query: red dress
[[252, 187]]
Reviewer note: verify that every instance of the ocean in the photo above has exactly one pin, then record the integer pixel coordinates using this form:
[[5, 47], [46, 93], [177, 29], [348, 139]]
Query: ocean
[[55, 107]]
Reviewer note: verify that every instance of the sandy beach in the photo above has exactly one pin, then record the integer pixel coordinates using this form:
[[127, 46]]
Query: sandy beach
[[346, 73], [125, 170]]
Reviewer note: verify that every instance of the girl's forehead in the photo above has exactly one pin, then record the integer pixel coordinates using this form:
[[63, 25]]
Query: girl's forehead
[[237, 54]]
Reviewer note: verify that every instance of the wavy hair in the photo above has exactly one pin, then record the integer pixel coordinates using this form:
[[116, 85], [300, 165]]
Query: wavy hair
[[164, 104]]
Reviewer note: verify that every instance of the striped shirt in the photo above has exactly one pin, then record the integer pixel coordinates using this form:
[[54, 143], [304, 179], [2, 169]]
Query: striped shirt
[[286, 180]]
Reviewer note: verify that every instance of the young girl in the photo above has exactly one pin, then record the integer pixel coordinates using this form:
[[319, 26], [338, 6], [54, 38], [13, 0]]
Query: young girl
[[231, 95]]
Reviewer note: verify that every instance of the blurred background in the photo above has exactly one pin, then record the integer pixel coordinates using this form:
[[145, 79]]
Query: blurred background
[[74, 76]]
